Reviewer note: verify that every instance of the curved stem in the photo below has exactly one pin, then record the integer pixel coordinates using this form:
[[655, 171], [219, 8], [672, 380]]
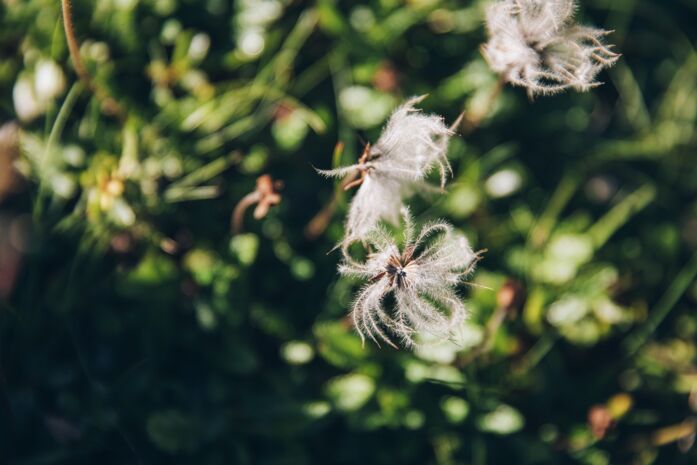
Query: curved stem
[[108, 103], [241, 207]]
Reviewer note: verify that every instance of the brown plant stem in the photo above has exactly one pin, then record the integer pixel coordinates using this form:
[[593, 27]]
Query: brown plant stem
[[319, 223], [509, 298], [109, 105]]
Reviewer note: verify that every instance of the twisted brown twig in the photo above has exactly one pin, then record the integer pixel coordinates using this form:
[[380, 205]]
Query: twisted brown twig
[[265, 195]]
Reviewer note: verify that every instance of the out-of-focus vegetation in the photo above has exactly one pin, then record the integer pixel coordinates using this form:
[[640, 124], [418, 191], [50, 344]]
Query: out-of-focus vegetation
[[135, 328]]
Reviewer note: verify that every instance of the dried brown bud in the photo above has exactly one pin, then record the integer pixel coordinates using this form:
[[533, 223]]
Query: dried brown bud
[[282, 110], [385, 77], [268, 195], [122, 242], [599, 420], [511, 295]]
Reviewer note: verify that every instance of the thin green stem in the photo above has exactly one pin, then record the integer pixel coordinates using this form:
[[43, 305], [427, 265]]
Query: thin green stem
[[606, 226], [560, 198], [538, 352], [53, 137], [680, 284], [62, 117]]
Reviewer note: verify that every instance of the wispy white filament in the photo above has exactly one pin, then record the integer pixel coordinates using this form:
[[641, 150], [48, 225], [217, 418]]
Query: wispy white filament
[[421, 278], [410, 146], [535, 44]]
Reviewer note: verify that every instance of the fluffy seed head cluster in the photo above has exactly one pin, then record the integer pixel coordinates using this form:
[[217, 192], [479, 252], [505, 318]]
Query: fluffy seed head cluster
[[535, 44], [420, 279], [411, 145]]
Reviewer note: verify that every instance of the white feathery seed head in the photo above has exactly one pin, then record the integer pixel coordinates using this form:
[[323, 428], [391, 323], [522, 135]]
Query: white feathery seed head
[[410, 146], [535, 44], [418, 279]]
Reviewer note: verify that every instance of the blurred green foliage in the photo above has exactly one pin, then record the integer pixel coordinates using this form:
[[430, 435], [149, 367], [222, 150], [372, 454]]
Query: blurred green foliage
[[134, 328]]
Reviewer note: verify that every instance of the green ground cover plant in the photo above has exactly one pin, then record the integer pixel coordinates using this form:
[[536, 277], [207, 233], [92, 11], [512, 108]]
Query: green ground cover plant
[[169, 254]]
